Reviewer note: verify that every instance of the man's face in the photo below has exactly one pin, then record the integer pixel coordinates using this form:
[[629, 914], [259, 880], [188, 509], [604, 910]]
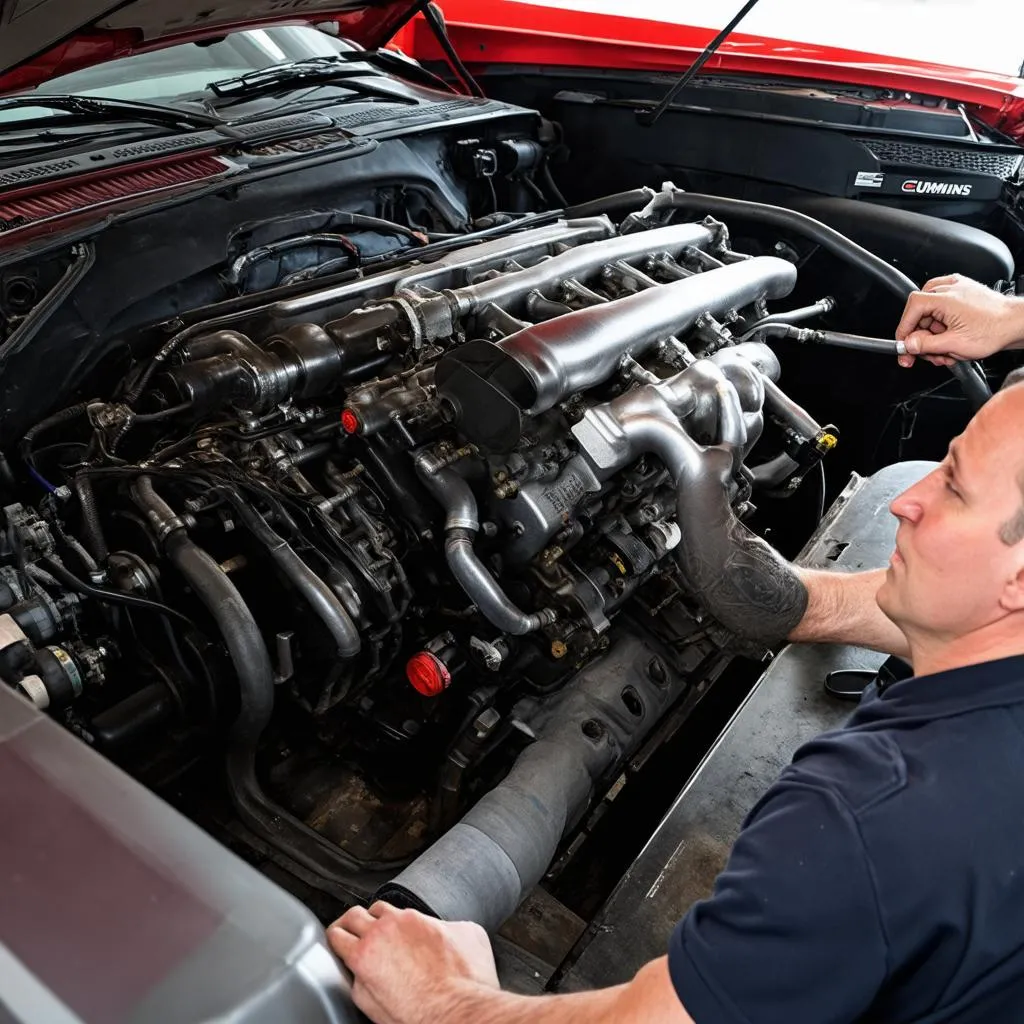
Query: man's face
[[949, 573]]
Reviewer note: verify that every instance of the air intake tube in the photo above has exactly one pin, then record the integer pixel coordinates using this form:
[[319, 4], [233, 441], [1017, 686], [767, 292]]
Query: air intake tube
[[482, 867]]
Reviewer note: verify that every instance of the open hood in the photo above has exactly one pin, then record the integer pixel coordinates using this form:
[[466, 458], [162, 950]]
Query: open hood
[[40, 39], [524, 34]]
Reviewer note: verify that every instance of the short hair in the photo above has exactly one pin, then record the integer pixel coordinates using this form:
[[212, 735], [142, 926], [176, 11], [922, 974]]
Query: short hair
[[1012, 531]]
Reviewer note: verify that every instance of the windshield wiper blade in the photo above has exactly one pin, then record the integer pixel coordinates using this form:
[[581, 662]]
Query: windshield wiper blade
[[314, 70], [68, 135], [687, 76], [93, 109]]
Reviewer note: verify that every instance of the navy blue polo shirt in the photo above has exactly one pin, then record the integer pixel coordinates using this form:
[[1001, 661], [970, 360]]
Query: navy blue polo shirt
[[882, 877]]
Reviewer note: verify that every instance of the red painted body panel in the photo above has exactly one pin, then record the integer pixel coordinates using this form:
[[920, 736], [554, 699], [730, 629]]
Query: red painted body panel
[[487, 32], [501, 32]]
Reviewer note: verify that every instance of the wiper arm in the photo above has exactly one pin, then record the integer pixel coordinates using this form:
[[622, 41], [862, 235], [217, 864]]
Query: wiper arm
[[687, 76], [91, 109], [400, 67], [294, 75]]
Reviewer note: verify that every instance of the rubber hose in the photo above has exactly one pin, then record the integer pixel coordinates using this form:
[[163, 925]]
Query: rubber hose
[[618, 202], [91, 526], [64, 575]]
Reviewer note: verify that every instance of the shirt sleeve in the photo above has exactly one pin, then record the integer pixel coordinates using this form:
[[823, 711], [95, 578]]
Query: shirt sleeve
[[792, 931]]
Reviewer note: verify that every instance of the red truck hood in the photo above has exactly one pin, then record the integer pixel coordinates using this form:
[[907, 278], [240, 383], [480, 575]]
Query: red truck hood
[[40, 39], [501, 32]]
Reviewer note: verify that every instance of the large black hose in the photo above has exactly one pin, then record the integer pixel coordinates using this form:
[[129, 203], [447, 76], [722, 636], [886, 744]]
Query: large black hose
[[780, 218], [245, 646]]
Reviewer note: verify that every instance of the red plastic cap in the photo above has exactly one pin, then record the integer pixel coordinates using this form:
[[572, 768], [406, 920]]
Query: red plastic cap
[[427, 674], [350, 422]]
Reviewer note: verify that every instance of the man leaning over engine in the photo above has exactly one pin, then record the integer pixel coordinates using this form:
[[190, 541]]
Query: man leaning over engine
[[882, 875]]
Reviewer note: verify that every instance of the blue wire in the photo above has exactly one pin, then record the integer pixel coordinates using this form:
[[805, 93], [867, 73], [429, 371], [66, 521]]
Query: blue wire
[[41, 480]]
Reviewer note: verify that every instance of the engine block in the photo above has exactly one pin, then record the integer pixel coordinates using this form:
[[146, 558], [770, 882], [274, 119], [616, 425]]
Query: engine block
[[414, 520]]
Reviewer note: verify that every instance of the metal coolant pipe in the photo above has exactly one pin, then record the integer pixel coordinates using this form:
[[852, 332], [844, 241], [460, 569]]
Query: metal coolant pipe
[[461, 527], [533, 243]]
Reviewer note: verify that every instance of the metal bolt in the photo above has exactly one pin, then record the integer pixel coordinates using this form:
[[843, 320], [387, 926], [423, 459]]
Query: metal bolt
[[558, 649], [508, 489]]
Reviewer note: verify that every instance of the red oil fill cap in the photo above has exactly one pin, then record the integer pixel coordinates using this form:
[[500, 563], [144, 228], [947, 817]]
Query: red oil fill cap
[[427, 674]]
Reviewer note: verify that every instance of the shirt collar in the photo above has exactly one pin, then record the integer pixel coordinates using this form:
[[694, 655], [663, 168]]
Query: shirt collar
[[953, 692]]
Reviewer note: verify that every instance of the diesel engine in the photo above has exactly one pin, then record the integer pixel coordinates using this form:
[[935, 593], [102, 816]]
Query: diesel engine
[[423, 557]]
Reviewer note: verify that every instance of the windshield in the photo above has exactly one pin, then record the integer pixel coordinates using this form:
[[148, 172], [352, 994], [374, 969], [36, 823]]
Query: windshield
[[984, 35], [178, 75]]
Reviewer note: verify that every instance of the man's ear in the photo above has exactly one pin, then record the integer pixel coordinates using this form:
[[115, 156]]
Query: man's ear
[[1012, 597]]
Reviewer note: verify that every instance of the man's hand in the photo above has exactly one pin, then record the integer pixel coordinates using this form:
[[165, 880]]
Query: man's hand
[[408, 967], [955, 318], [411, 969]]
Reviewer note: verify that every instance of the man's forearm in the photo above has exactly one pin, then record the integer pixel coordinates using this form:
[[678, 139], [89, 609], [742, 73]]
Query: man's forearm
[[487, 1006], [841, 608], [648, 997]]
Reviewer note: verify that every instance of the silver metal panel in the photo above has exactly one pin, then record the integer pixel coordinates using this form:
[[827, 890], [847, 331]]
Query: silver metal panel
[[786, 708]]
